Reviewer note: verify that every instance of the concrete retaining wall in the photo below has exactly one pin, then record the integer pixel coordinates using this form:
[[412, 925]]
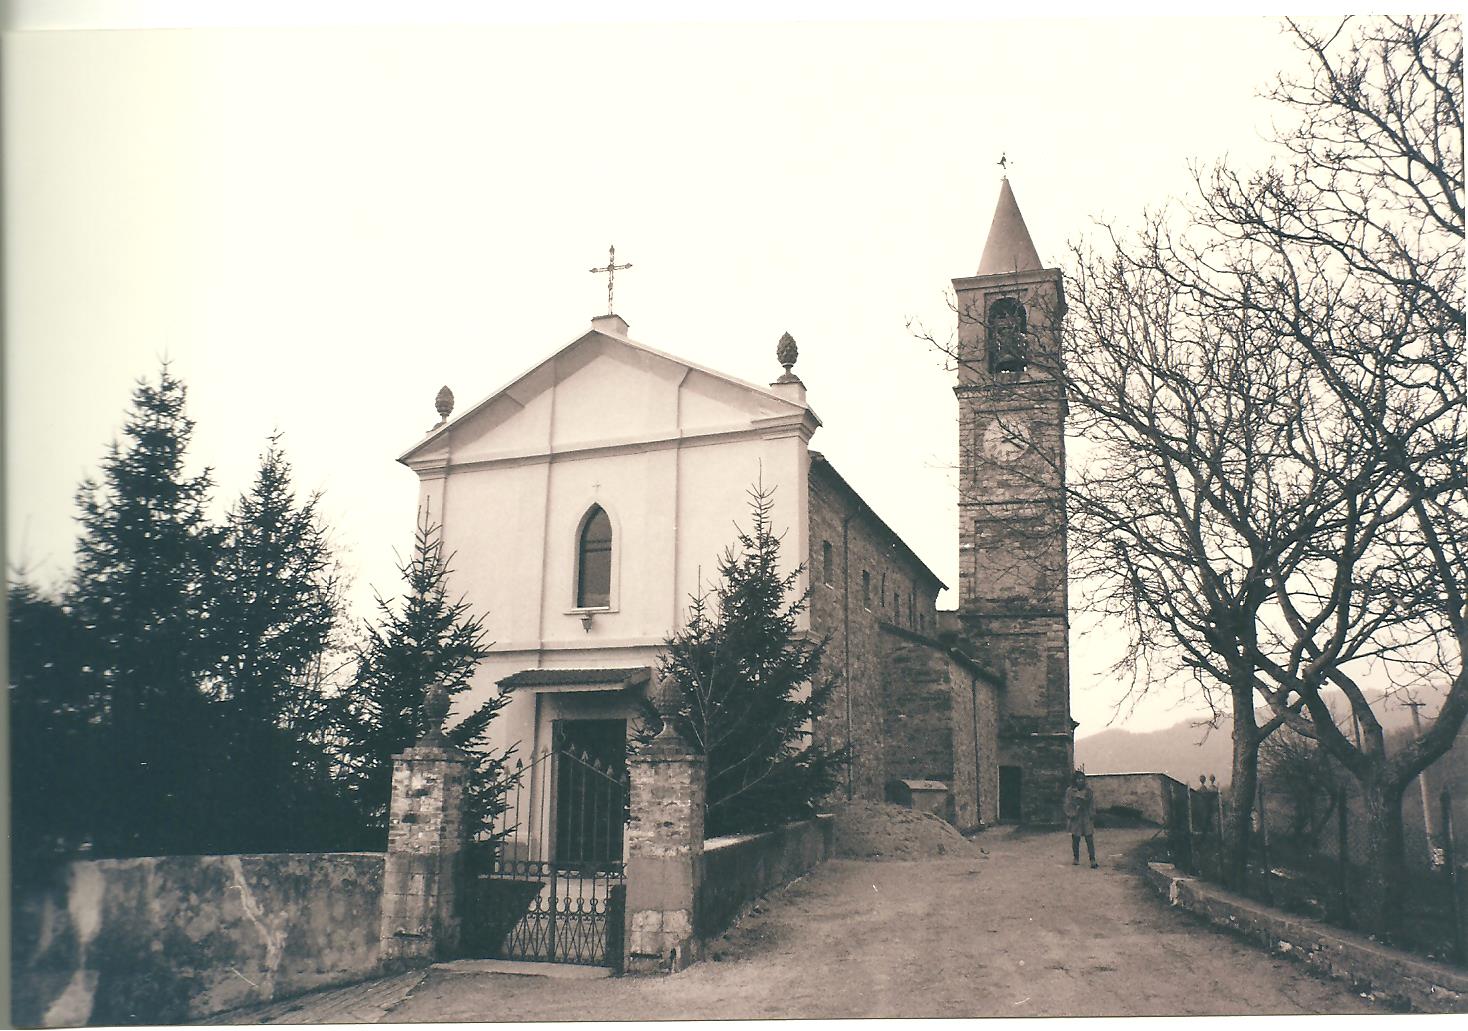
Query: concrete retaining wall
[[736, 870], [1143, 793], [164, 940], [1421, 984]]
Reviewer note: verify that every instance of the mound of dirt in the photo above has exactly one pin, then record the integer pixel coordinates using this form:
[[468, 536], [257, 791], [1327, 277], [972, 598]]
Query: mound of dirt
[[880, 830]]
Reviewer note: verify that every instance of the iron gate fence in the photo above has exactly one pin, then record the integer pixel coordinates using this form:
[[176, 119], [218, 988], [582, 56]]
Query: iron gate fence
[[552, 887]]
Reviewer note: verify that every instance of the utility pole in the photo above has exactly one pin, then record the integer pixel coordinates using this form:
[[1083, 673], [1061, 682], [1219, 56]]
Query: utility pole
[[1434, 853]]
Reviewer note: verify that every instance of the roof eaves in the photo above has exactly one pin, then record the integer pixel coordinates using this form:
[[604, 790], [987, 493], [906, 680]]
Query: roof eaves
[[820, 461]]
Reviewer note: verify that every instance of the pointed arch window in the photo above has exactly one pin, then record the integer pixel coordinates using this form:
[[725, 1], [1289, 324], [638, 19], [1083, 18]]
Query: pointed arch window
[[594, 561]]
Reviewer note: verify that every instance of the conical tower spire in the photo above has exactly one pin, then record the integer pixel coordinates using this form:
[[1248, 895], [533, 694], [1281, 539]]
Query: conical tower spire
[[1009, 247]]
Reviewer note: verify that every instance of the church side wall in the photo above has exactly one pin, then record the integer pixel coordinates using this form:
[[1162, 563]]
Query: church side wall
[[922, 722], [857, 547], [965, 707], [941, 724]]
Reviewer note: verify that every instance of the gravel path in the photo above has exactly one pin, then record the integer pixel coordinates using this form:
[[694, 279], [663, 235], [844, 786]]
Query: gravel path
[[1013, 931]]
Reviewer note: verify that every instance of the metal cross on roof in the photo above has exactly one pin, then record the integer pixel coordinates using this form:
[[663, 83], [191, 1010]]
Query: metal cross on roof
[[611, 270]]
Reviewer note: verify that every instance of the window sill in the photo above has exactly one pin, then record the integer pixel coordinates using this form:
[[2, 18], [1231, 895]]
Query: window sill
[[591, 610]]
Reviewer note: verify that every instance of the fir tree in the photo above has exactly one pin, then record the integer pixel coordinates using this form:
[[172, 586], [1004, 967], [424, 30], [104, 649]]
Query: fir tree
[[141, 596], [278, 602], [55, 707], [751, 687], [424, 640]]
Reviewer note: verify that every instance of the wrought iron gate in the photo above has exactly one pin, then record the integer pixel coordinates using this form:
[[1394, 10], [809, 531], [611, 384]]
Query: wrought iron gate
[[552, 888]]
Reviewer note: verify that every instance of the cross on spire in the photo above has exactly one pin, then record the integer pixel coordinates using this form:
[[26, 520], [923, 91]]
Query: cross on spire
[[611, 269], [1003, 162]]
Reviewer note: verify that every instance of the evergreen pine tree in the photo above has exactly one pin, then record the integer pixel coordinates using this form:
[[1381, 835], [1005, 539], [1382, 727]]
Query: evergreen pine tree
[[425, 639], [54, 711], [278, 602], [141, 596], [750, 686]]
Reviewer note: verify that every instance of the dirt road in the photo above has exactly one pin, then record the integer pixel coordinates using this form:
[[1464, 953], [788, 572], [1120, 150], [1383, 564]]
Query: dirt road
[[1015, 932]]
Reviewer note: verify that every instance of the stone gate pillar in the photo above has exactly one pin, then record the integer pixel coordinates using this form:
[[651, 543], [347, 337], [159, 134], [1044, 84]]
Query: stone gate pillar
[[664, 850], [424, 878]]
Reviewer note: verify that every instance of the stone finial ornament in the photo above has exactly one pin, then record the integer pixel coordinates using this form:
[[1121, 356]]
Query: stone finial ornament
[[435, 708], [444, 402], [786, 352], [666, 697]]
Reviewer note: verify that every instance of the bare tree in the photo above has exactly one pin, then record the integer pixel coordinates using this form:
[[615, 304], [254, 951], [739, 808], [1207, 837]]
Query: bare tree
[[1180, 503], [1355, 257], [1268, 396]]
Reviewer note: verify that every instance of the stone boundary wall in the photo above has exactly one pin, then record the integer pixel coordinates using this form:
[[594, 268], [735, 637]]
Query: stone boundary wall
[[167, 939], [1421, 984], [1145, 793], [739, 869]]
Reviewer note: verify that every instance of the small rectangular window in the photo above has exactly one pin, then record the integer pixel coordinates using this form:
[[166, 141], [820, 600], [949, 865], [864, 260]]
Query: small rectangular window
[[827, 574], [866, 590], [882, 594]]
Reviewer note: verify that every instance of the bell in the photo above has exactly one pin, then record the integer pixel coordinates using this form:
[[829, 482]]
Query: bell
[[1007, 336], [1010, 355]]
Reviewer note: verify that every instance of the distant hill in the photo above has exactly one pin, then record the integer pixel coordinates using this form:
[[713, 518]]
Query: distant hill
[[1183, 750]]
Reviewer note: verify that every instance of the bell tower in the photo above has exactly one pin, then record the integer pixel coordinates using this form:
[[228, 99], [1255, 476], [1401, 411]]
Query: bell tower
[[1013, 602]]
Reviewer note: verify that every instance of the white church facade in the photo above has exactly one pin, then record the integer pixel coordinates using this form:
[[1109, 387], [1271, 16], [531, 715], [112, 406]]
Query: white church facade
[[587, 501]]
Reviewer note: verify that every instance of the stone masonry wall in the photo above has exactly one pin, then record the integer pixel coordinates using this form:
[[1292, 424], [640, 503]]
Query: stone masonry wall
[[1035, 731], [988, 773], [425, 871], [664, 843], [1364, 964], [896, 591], [930, 724], [172, 939], [920, 716], [737, 870], [1143, 793], [967, 805], [1047, 764]]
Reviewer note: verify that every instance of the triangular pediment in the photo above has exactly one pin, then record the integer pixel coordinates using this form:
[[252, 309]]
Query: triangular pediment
[[603, 390]]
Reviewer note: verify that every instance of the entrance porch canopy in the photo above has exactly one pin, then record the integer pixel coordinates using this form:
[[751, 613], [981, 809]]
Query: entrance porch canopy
[[537, 681]]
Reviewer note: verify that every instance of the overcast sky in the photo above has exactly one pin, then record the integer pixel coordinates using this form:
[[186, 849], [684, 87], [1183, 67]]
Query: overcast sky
[[320, 225]]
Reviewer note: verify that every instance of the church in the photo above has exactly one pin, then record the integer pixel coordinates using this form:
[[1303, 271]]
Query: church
[[589, 499]]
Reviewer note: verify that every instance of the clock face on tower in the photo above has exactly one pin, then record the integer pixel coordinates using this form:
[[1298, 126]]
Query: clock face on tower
[[1006, 439]]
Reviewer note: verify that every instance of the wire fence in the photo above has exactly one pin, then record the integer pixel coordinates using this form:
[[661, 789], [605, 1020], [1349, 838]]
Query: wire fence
[[1310, 864]]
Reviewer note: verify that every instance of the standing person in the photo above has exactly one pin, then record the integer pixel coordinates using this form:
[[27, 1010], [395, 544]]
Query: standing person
[[1080, 814]]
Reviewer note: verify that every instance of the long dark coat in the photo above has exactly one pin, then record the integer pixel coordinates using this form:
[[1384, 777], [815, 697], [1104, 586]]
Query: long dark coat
[[1080, 810]]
